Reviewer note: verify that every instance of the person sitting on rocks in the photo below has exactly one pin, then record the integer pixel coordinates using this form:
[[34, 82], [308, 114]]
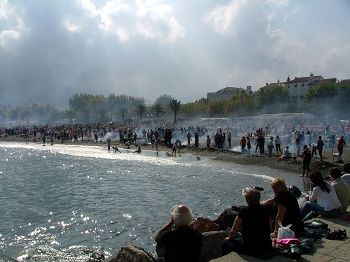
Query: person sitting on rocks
[[327, 205], [346, 175], [341, 188], [255, 222], [182, 243], [285, 208]]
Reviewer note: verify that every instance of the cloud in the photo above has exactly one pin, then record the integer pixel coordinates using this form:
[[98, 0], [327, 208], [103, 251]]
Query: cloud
[[277, 3], [223, 16], [150, 19], [71, 26], [11, 26]]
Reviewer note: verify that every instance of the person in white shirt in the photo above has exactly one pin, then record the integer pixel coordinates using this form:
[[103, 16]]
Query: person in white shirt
[[346, 176], [328, 204], [340, 187]]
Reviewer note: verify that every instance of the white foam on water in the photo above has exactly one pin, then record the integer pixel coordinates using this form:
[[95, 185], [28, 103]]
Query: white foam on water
[[147, 156]]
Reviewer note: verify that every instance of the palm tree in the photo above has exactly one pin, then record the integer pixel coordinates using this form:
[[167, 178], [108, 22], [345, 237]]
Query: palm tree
[[175, 106]]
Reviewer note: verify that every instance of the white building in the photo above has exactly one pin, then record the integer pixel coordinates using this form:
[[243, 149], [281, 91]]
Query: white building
[[299, 86], [227, 93]]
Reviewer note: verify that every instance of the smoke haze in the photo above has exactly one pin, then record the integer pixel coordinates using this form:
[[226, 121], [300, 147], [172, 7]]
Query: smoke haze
[[50, 50]]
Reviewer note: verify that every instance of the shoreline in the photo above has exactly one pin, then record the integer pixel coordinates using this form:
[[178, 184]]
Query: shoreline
[[226, 155]]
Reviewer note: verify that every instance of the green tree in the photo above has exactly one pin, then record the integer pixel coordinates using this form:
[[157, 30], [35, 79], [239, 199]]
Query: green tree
[[163, 100], [175, 106], [141, 109], [157, 109]]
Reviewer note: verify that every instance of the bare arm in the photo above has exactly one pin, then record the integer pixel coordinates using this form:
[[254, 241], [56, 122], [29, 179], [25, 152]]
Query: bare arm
[[236, 225], [281, 212], [268, 202]]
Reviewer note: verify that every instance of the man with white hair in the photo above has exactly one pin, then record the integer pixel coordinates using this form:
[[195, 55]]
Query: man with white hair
[[181, 242]]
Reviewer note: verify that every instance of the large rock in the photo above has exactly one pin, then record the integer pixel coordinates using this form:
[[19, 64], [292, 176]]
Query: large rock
[[212, 244], [131, 254], [227, 217], [204, 225]]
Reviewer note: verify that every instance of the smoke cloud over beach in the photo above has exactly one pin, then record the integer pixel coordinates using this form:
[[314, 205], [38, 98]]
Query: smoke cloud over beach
[[50, 50]]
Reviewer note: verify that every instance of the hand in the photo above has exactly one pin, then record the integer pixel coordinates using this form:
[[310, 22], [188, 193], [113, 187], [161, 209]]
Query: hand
[[307, 198], [273, 235], [227, 238]]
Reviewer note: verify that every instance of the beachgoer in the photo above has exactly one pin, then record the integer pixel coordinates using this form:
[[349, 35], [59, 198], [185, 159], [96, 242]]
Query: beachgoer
[[327, 205], [182, 243], [116, 149], [286, 153], [314, 149], [138, 150], [346, 175], [174, 150], [208, 141], [340, 146], [270, 146], [341, 188], [188, 138], [229, 139], [285, 208], [278, 144], [306, 160], [243, 143], [320, 145], [249, 146], [109, 142], [196, 139], [255, 222]]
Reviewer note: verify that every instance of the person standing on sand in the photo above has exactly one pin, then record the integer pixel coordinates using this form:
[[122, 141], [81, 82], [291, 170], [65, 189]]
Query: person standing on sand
[[196, 139], [340, 146], [270, 146], [229, 139], [243, 143], [249, 146], [188, 138], [109, 142], [306, 160], [320, 145], [208, 141], [278, 145]]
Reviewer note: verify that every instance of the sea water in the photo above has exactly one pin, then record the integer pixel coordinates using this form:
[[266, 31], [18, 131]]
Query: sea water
[[59, 200]]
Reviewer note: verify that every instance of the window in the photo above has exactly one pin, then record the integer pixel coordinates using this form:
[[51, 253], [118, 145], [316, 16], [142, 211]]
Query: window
[[303, 84], [295, 85], [301, 97]]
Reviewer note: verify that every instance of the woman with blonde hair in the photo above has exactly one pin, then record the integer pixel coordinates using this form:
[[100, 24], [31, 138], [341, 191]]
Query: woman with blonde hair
[[285, 208]]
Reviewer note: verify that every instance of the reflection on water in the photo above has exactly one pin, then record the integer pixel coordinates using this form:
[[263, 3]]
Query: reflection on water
[[59, 200]]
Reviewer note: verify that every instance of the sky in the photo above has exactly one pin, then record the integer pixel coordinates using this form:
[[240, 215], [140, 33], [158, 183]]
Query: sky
[[50, 50]]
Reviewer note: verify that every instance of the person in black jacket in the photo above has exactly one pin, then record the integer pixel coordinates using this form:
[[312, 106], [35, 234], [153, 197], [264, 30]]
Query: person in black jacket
[[181, 242]]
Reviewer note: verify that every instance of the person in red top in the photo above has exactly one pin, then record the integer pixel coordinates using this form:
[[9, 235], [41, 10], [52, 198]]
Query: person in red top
[[340, 147]]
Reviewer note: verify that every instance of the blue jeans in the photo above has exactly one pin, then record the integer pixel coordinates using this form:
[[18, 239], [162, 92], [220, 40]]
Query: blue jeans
[[311, 209]]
